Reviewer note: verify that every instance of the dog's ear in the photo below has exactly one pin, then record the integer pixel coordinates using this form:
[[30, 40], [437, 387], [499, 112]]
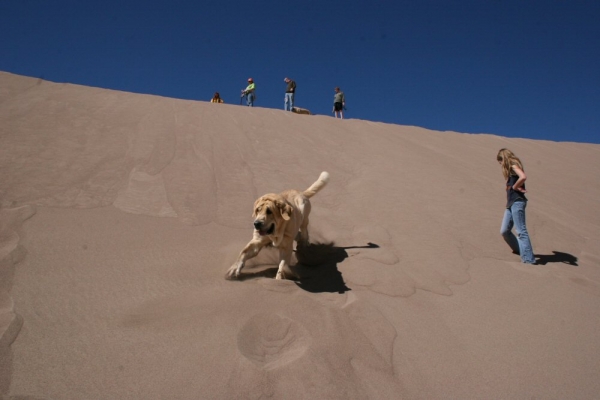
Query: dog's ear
[[256, 204], [285, 210], [288, 212]]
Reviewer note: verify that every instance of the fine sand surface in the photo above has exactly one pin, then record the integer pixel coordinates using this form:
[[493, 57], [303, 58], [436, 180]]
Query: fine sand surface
[[120, 214]]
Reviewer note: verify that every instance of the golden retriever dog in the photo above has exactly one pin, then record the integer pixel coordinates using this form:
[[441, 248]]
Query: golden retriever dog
[[299, 110], [279, 219]]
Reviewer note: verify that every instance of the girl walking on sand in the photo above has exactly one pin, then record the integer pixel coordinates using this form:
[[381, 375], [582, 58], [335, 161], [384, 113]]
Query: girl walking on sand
[[514, 215]]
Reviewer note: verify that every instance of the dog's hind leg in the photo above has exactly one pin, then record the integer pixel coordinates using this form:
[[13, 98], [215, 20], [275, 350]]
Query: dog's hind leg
[[302, 236], [250, 251]]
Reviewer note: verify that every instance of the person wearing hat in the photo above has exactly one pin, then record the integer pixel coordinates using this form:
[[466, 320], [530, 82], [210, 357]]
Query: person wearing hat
[[290, 90], [249, 93], [339, 103]]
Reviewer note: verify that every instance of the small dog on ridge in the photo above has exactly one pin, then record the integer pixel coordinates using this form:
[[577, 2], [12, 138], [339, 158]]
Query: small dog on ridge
[[299, 110]]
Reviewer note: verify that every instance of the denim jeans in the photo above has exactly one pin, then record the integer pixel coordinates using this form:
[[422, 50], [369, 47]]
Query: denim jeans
[[289, 102], [515, 216], [250, 99]]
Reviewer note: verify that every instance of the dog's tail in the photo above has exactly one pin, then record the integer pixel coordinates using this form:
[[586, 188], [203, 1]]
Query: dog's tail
[[318, 185]]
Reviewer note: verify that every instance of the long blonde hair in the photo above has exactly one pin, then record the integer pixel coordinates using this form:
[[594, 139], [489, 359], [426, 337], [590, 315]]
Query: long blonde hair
[[508, 159]]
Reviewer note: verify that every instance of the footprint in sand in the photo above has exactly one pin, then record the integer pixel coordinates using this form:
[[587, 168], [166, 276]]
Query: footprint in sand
[[8, 243], [271, 341], [11, 219]]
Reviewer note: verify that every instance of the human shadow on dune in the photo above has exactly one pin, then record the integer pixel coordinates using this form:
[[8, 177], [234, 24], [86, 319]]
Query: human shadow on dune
[[316, 270], [557, 257]]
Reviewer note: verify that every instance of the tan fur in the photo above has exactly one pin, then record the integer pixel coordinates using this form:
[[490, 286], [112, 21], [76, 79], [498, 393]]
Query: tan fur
[[299, 110], [279, 219]]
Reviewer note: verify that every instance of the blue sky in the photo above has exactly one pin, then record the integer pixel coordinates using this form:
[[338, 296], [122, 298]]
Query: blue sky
[[512, 68]]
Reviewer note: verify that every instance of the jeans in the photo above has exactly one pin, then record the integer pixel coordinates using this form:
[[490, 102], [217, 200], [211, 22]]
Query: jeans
[[250, 99], [289, 101], [515, 216]]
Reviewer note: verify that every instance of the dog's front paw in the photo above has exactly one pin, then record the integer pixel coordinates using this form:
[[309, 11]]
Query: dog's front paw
[[284, 275], [234, 271]]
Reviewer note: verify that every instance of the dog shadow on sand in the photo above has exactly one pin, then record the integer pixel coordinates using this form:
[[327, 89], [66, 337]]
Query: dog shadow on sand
[[317, 267]]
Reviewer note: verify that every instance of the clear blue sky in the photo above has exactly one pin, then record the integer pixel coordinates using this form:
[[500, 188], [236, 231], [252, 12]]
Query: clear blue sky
[[515, 68]]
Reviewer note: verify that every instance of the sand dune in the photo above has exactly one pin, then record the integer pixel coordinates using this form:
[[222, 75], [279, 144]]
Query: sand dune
[[120, 214]]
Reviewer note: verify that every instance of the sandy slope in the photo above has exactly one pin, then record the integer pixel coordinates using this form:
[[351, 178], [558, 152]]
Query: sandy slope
[[121, 213]]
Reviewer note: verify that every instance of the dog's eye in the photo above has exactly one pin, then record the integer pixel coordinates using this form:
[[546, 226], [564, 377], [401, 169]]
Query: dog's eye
[[269, 211]]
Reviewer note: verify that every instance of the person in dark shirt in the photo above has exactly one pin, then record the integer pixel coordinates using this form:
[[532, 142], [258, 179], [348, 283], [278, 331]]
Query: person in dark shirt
[[290, 92], [339, 103], [514, 214]]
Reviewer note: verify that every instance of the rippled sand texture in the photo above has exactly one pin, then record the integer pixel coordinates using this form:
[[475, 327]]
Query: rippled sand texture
[[120, 214]]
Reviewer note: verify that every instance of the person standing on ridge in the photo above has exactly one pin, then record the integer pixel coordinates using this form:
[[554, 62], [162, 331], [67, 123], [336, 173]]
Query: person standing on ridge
[[290, 91], [216, 98], [339, 103], [514, 214], [249, 93]]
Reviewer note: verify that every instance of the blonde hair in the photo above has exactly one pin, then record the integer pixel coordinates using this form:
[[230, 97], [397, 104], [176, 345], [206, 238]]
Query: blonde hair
[[508, 159]]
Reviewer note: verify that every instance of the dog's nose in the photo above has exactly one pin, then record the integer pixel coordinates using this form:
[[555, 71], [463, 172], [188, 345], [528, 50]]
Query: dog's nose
[[258, 224]]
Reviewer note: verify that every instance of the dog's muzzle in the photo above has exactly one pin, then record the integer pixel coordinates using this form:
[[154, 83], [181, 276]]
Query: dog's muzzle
[[262, 230]]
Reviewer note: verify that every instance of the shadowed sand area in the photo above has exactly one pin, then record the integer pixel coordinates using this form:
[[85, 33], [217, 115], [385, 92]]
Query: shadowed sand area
[[120, 214]]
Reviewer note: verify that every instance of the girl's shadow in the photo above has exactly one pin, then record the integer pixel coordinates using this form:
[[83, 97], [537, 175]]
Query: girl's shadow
[[557, 257]]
